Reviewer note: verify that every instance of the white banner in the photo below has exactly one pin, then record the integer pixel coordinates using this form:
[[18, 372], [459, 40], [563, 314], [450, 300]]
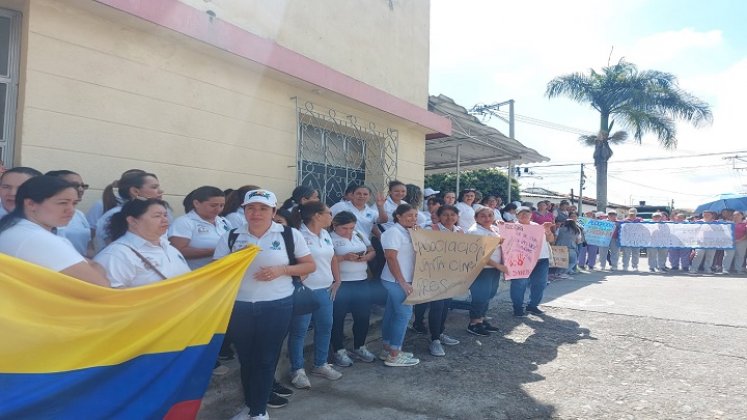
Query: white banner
[[713, 235]]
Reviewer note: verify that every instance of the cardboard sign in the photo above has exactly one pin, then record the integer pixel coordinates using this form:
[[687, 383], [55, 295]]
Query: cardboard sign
[[559, 257], [521, 248], [598, 232], [713, 235], [446, 263]]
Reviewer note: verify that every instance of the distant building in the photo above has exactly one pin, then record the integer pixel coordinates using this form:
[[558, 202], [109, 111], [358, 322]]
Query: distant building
[[536, 194]]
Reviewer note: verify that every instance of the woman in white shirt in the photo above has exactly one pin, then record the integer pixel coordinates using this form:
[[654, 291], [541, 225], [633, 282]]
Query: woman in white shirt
[[482, 288], [132, 186], [353, 251], [196, 233], [438, 309], [397, 280], [537, 280], [315, 218], [140, 254], [466, 212], [366, 215], [264, 304], [233, 212], [43, 204], [397, 193], [78, 231]]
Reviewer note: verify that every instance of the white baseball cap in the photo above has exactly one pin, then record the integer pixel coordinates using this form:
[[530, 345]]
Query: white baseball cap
[[600, 214], [260, 196], [429, 192], [523, 208]]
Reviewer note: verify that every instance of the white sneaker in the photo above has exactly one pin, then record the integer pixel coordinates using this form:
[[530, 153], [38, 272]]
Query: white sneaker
[[342, 359], [300, 380], [242, 415], [260, 417], [401, 360], [448, 341], [362, 354], [436, 348], [326, 371], [385, 354]]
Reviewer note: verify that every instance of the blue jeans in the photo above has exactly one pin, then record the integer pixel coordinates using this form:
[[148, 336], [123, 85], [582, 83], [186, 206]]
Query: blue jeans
[[536, 282], [572, 259], [481, 290], [322, 332], [396, 316], [257, 330]]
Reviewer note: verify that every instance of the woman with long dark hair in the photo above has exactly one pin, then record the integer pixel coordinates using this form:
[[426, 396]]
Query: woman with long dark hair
[[78, 231], [44, 203]]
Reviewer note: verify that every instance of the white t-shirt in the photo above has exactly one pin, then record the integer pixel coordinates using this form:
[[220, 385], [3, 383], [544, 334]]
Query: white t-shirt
[[365, 218], [545, 251], [201, 234], [272, 253], [351, 270], [101, 238], [78, 232], [236, 218], [339, 206], [322, 251], [389, 207], [498, 216], [424, 219], [30, 242], [466, 215], [478, 230], [398, 238], [443, 228], [125, 269], [95, 212], [3, 212]]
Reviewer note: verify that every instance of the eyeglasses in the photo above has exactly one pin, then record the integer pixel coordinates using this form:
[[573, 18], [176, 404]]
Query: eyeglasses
[[79, 186]]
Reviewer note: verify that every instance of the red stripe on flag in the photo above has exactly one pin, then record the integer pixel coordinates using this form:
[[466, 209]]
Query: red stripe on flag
[[183, 410]]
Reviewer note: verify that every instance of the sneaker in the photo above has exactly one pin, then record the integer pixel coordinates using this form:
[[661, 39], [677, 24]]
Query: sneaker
[[362, 354], [281, 390], [489, 328], [478, 329], [300, 380], [342, 359], [261, 416], [535, 310], [436, 348], [653, 270], [385, 354], [401, 360], [447, 340], [564, 276], [221, 370], [276, 401], [419, 328], [242, 415], [326, 371]]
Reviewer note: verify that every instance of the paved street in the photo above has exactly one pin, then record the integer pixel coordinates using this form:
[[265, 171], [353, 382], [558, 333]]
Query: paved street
[[611, 346]]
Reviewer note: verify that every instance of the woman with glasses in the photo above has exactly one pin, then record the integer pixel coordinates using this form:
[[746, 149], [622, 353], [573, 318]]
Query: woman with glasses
[[78, 231]]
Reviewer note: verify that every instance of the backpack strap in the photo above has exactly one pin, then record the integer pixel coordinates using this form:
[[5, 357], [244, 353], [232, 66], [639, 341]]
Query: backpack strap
[[232, 236], [290, 248]]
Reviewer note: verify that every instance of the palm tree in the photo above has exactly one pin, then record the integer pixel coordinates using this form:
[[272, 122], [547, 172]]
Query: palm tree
[[644, 101]]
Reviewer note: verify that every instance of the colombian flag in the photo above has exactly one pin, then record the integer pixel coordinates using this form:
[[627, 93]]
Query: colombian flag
[[72, 350]]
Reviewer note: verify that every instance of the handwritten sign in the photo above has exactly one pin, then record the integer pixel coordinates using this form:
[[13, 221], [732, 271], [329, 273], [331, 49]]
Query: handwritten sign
[[598, 232], [446, 263], [714, 235], [521, 248], [559, 257]]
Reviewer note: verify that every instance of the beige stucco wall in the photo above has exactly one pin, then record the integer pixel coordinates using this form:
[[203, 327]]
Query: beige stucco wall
[[384, 43], [104, 92]]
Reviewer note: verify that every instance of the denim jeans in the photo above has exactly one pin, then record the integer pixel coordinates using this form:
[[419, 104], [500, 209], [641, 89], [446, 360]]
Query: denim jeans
[[572, 259], [257, 330], [322, 332], [680, 257], [536, 282], [396, 316], [352, 296], [480, 290]]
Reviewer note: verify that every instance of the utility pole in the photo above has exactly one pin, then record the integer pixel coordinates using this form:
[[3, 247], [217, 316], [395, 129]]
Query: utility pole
[[492, 110], [581, 183], [510, 169]]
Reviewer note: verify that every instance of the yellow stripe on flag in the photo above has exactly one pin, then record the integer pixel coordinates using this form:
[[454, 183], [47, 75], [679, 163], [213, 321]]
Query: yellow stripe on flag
[[50, 322]]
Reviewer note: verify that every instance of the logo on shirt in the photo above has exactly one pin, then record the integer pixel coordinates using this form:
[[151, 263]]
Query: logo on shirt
[[202, 229], [327, 241], [275, 246], [369, 215]]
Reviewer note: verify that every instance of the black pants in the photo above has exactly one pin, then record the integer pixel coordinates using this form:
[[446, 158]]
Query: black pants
[[257, 330], [436, 316], [355, 297]]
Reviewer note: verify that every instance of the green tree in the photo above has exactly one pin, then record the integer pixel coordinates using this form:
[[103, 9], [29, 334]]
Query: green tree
[[487, 181], [646, 102]]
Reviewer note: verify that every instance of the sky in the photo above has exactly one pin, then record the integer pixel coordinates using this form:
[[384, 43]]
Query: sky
[[487, 51]]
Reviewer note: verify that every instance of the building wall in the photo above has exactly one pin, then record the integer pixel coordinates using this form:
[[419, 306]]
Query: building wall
[[384, 43], [105, 92]]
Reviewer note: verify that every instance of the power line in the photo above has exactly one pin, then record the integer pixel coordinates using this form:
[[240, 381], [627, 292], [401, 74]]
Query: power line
[[651, 159], [658, 189]]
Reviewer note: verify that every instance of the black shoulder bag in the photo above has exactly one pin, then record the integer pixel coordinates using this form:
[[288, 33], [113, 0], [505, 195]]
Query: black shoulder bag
[[303, 297]]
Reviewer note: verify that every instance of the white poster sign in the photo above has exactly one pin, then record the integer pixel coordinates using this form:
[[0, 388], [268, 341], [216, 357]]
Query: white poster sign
[[714, 235]]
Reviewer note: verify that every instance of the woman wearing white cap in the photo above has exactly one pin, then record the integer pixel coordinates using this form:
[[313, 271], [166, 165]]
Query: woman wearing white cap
[[264, 305]]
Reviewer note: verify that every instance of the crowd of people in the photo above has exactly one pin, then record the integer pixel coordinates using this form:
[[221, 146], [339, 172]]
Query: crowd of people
[[352, 255]]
